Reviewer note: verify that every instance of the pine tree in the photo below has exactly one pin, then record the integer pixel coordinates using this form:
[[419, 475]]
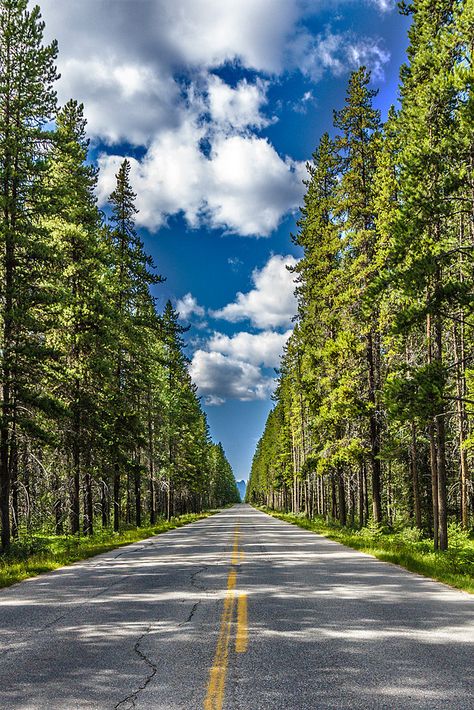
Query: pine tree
[[27, 102], [132, 280], [360, 125], [80, 313]]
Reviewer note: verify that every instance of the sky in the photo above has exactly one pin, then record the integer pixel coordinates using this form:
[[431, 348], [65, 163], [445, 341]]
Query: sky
[[218, 104]]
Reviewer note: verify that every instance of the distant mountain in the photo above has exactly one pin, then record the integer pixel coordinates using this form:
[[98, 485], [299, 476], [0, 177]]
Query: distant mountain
[[242, 485]]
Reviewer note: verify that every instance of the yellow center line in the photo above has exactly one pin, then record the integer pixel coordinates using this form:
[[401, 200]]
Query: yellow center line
[[242, 637], [235, 551], [215, 692], [217, 676]]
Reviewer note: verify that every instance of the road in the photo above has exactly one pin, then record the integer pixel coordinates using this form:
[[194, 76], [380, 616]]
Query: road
[[238, 611]]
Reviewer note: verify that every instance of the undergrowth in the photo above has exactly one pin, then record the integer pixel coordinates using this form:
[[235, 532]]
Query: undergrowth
[[407, 547], [37, 553]]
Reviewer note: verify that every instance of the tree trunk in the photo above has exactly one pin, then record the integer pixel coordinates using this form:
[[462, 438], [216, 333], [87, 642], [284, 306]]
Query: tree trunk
[[414, 478], [104, 504], [88, 522], [116, 497], [151, 466], [333, 498], [341, 498], [352, 501], [463, 422], [76, 476], [361, 495], [138, 493], [441, 452], [14, 487], [433, 453], [366, 494], [374, 433]]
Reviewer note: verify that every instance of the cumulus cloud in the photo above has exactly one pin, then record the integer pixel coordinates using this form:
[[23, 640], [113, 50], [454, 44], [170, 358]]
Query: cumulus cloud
[[219, 378], [188, 306], [258, 349], [236, 366], [271, 303], [239, 107], [124, 100], [146, 74], [243, 186], [122, 58]]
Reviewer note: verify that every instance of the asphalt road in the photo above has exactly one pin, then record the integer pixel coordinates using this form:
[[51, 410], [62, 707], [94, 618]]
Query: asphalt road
[[237, 611]]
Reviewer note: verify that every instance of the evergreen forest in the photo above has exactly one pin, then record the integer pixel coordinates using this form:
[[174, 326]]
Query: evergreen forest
[[100, 423], [373, 422]]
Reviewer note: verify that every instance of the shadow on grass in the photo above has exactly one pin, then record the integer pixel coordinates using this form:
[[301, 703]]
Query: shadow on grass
[[454, 567], [37, 554]]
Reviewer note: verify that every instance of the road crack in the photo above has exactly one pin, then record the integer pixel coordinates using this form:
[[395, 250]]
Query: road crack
[[195, 582], [191, 614], [129, 702], [197, 585]]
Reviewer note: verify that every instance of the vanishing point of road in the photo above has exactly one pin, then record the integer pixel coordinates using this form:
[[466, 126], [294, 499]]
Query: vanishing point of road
[[238, 611]]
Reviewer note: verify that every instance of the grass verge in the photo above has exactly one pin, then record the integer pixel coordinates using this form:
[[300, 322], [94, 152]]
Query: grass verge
[[406, 548], [35, 554]]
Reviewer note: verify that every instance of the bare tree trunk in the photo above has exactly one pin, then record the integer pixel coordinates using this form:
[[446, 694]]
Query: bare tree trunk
[[414, 478], [463, 422], [14, 487], [341, 498], [441, 451], [374, 433], [433, 453], [366, 493], [116, 497], [151, 466], [138, 493], [88, 522], [361, 496], [104, 504]]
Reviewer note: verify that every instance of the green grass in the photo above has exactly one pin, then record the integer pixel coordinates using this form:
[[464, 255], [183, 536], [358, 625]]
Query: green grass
[[35, 554], [407, 548]]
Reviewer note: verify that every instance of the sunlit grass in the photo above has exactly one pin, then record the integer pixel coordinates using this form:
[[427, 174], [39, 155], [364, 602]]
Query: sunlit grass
[[407, 548], [35, 554]]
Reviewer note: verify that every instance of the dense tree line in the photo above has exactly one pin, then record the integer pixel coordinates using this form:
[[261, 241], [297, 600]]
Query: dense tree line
[[375, 402], [99, 419]]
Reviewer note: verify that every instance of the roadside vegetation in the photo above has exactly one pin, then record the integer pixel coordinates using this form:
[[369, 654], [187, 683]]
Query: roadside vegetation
[[100, 423], [34, 554], [407, 547], [373, 424]]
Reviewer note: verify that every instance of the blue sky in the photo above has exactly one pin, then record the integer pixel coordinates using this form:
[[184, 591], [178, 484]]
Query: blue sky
[[218, 104]]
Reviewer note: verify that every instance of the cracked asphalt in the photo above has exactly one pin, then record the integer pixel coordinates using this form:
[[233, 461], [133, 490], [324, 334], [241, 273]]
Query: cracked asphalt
[[328, 627]]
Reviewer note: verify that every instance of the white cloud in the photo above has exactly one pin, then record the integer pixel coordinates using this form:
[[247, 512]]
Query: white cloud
[[335, 53], [243, 186], [144, 71], [233, 366], [188, 306], [258, 349], [384, 5], [122, 58], [304, 102], [124, 100], [220, 378], [271, 303], [237, 108]]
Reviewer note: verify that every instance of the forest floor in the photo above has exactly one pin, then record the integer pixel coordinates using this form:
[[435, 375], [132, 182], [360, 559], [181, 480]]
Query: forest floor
[[406, 547], [34, 554]]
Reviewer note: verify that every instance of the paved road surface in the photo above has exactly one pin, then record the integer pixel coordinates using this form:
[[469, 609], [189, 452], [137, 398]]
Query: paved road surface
[[236, 611]]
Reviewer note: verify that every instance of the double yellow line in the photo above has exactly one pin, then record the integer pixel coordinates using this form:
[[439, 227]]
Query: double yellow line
[[217, 676]]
